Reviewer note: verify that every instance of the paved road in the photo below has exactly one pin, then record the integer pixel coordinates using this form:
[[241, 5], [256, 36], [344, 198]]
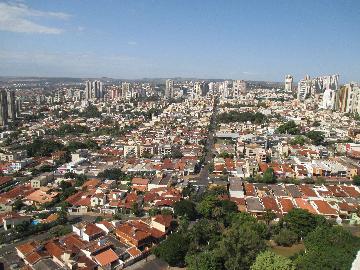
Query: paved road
[[202, 179]]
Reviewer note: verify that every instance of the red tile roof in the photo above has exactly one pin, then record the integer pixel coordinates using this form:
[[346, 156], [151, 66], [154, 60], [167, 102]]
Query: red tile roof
[[106, 258], [324, 208]]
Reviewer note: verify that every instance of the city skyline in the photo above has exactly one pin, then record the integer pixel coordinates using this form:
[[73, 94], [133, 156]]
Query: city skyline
[[128, 39]]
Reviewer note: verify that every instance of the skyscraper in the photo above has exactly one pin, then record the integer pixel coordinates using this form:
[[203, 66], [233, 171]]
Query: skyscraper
[[125, 90], [239, 88], [11, 105], [288, 82], [3, 108], [304, 88], [87, 90], [349, 98], [169, 89]]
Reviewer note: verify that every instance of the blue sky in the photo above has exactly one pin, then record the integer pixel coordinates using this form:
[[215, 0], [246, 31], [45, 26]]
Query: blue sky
[[253, 40]]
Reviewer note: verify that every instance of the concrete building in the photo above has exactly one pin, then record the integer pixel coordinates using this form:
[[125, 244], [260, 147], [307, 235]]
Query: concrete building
[[11, 105], [349, 98], [3, 108], [169, 89], [304, 88], [288, 82], [239, 88], [125, 89], [88, 90]]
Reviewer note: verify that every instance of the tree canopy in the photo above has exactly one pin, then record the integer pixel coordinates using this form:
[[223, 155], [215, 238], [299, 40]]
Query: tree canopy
[[328, 248], [185, 208], [268, 260], [173, 250], [234, 116], [301, 222], [289, 127]]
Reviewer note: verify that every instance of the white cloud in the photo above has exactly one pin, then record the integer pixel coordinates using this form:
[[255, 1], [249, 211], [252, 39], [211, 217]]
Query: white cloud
[[17, 18], [133, 43]]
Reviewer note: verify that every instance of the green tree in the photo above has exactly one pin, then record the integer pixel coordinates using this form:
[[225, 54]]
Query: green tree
[[298, 140], [206, 260], [185, 208], [286, 238], [269, 216], [289, 128], [268, 260], [301, 221], [317, 137], [240, 246], [206, 206], [204, 234], [269, 176], [356, 180], [328, 248], [135, 208], [18, 204], [173, 250]]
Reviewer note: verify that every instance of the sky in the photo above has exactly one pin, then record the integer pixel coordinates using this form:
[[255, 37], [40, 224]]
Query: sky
[[251, 40]]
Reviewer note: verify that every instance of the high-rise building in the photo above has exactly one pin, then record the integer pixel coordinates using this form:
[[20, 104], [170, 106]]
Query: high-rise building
[[18, 104], [288, 82], [304, 88], [239, 88], [169, 89], [88, 90], [224, 89], [11, 105], [94, 90], [322, 83], [197, 90], [125, 90], [3, 108], [349, 98]]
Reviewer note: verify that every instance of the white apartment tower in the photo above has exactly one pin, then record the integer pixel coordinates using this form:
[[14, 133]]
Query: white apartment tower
[[169, 89], [304, 88], [125, 90], [239, 88], [288, 82]]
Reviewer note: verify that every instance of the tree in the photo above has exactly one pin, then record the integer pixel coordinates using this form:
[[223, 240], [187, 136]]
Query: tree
[[317, 137], [269, 216], [289, 128], [235, 116], [135, 208], [226, 155], [239, 247], [204, 234], [269, 176], [206, 206], [268, 260], [185, 208], [328, 248], [286, 238], [298, 140], [173, 250], [113, 174], [18, 204], [301, 221], [206, 260], [356, 180]]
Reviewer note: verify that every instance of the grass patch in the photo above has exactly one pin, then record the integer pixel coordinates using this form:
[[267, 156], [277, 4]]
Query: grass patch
[[288, 251]]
